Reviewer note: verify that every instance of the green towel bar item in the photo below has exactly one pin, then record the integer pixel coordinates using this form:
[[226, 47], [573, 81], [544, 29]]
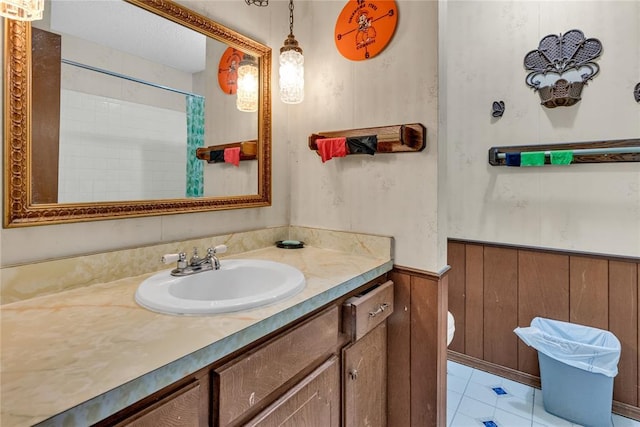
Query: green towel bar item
[[627, 150]]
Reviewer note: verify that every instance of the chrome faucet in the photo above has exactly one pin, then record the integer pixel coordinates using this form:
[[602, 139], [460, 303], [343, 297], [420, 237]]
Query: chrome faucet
[[195, 263]]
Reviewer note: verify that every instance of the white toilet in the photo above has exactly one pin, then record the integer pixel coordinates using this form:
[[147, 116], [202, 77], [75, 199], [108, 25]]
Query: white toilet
[[451, 327]]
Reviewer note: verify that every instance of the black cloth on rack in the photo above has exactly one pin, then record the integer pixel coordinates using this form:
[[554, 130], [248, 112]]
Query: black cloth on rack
[[362, 144], [216, 156]]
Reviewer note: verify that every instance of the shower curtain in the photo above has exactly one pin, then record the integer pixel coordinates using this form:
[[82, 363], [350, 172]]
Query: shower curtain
[[195, 139]]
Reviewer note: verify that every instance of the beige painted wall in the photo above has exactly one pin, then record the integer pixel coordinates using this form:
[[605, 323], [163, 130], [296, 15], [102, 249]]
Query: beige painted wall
[[392, 194], [593, 208]]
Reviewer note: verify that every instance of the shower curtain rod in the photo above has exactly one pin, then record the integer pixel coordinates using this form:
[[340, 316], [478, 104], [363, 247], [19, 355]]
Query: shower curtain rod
[[587, 151], [125, 77]]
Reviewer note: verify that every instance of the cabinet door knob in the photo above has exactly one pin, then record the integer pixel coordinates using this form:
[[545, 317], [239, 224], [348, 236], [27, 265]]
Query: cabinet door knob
[[382, 307], [353, 374]]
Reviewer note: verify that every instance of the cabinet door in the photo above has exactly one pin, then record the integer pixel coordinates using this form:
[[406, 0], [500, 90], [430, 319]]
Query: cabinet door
[[365, 380], [314, 402]]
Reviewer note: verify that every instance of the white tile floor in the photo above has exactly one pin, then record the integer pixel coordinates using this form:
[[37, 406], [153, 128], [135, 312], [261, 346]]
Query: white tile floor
[[471, 402]]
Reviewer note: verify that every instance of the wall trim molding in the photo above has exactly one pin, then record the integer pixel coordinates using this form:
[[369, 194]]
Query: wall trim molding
[[492, 368], [422, 273], [626, 258]]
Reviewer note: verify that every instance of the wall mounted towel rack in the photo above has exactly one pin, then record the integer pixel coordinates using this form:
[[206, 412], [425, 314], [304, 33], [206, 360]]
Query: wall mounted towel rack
[[621, 150], [215, 153], [390, 139]]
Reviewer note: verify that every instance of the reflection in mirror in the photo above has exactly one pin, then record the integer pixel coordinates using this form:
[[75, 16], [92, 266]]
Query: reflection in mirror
[[130, 114], [121, 100]]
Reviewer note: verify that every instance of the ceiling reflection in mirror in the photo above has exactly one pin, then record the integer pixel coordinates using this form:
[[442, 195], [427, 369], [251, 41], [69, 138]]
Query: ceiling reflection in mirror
[[121, 100]]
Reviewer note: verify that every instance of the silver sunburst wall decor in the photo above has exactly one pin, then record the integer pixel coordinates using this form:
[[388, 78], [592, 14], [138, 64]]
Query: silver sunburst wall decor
[[561, 66]]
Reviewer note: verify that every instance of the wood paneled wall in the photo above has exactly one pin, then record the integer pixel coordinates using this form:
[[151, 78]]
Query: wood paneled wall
[[495, 288], [417, 350]]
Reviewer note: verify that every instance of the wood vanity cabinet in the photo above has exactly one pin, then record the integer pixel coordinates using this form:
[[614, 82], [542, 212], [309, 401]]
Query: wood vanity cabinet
[[327, 370], [365, 358]]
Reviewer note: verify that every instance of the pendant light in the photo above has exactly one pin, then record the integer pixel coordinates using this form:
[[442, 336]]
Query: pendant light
[[291, 67], [247, 88], [22, 10]]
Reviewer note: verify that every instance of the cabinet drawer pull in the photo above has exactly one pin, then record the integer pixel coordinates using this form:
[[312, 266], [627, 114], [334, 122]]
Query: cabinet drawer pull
[[382, 307], [353, 374]]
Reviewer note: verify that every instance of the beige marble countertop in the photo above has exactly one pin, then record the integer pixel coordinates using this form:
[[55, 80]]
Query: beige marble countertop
[[76, 357]]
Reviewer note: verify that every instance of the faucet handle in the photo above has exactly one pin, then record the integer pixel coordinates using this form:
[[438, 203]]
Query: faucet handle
[[169, 258], [220, 249], [195, 259], [180, 257]]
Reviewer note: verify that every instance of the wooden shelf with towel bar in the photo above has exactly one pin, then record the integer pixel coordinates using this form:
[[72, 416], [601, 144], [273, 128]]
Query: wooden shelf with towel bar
[[621, 150], [386, 139], [215, 153]]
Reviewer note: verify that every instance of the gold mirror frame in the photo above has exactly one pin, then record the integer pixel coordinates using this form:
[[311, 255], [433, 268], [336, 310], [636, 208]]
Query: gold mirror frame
[[19, 208]]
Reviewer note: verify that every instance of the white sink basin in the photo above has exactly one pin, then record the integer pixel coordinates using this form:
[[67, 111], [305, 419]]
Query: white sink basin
[[240, 284]]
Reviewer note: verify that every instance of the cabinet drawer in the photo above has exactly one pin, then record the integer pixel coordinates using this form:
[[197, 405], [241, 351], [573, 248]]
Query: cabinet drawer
[[364, 312], [181, 408], [247, 382]]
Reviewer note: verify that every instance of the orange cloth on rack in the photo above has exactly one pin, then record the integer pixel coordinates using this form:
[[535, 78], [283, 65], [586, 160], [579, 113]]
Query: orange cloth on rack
[[332, 147], [232, 155]]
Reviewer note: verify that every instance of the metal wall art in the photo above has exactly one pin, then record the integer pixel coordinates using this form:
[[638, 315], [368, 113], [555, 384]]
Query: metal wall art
[[497, 109], [561, 67], [636, 93]]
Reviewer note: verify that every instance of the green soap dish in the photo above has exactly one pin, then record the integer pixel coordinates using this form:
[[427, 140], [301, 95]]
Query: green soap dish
[[290, 244]]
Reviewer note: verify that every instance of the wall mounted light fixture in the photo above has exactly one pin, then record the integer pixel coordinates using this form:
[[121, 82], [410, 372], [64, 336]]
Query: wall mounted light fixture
[[291, 67], [22, 10], [247, 84]]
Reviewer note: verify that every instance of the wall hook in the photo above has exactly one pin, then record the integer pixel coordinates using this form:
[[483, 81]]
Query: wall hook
[[497, 108]]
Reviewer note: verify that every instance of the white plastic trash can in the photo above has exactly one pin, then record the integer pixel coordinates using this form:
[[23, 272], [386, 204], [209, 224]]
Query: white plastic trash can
[[577, 367]]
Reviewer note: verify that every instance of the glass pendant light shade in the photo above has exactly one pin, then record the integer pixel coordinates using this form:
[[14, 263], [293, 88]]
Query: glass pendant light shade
[[22, 10], [291, 73], [291, 67], [247, 89]]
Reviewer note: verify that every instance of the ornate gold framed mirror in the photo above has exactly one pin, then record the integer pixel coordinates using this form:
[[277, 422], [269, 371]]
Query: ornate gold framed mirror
[[247, 186]]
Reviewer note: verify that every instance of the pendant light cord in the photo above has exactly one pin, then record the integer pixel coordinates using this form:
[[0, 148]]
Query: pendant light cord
[[290, 17]]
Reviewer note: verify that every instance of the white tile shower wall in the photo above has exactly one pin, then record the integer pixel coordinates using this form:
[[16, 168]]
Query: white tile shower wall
[[117, 150]]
